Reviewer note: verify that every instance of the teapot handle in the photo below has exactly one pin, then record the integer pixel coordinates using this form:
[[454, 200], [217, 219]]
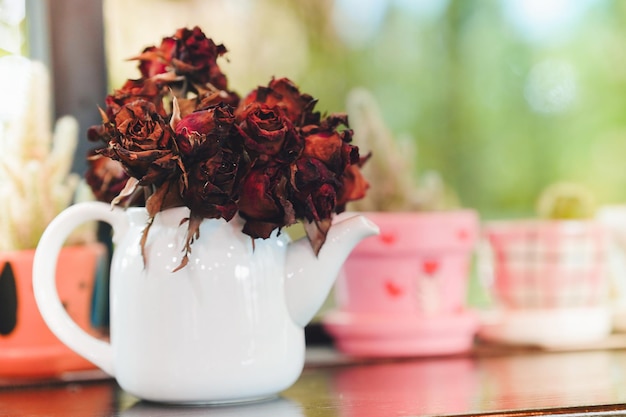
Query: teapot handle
[[44, 285]]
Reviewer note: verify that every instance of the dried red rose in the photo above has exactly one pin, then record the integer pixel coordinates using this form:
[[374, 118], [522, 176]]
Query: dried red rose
[[264, 202], [268, 134], [197, 55], [133, 90], [188, 53], [284, 94], [142, 141], [329, 144], [212, 185], [314, 179], [327, 155], [354, 185], [155, 61]]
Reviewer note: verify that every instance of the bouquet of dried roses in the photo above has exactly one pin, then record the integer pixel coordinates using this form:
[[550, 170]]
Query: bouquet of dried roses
[[178, 136]]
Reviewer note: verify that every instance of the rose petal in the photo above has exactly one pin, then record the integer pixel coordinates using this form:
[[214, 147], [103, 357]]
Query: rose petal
[[128, 189]]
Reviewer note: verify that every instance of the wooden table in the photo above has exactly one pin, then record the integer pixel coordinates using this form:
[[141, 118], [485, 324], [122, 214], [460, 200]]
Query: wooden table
[[495, 382]]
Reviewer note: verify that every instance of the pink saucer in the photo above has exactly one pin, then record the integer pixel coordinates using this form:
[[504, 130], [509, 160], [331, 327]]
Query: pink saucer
[[377, 335]]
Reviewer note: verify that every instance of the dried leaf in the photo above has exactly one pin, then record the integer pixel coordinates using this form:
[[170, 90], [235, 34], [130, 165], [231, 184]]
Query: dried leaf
[[154, 203], [193, 233], [316, 232], [144, 239], [103, 115], [129, 189], [183, 263]]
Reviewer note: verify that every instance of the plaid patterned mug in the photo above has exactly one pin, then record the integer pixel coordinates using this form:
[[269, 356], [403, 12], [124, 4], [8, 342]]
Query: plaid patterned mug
[[549, 281]]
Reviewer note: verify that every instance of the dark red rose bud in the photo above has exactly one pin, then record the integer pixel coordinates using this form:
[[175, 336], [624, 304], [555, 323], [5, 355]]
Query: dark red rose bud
[[213, 185], [186, 62], [155, 61], [264, 202], [329, 144], [326, 147], [315, 189], [354, 187], [134, 90], [196, 55], [310, 173], [257, 200], [320, 204], [199, 134]]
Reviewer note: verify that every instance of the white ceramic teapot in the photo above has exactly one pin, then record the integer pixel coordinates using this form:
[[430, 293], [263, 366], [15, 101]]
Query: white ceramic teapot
[[226, 327]]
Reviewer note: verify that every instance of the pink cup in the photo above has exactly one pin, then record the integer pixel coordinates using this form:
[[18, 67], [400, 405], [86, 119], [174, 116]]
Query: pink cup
[[403, 292]]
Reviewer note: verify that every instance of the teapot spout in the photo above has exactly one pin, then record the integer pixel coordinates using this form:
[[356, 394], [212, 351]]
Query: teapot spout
[[309, 278]]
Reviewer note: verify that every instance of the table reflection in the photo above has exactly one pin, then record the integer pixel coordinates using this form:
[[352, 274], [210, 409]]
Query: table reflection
[[277, 407], [62, 400], [445, 385], [547, 380], [489, 381]]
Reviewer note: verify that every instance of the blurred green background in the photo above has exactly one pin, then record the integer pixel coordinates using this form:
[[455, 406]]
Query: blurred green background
[[502, 97]]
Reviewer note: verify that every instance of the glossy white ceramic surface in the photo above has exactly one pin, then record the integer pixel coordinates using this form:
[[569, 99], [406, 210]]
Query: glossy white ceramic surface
[[218, 330]]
